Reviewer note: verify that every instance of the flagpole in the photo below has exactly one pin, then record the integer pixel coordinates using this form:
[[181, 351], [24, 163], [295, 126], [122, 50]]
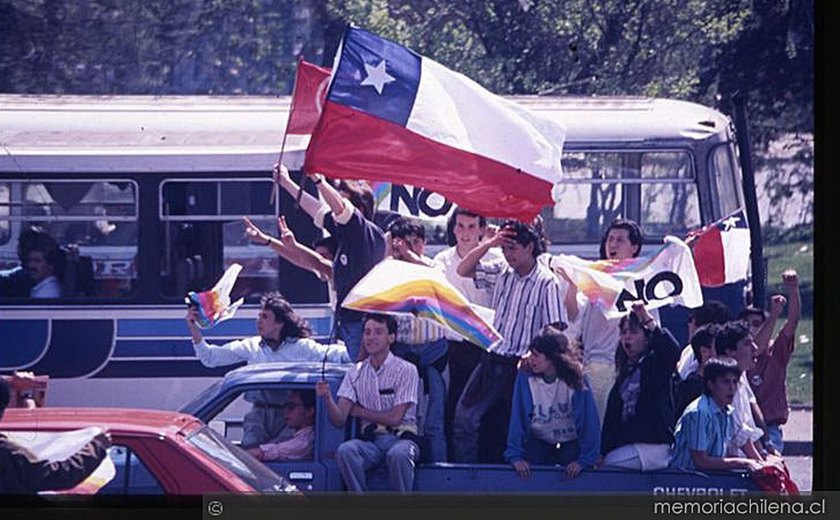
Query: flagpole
[[273, 196]]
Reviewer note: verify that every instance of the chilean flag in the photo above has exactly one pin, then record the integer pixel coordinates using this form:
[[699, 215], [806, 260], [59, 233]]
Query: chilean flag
[[393, 115], [722, 250]]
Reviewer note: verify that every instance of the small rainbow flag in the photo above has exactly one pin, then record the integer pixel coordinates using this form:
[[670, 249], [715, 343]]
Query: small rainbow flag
[[400, 288], [214, 306]]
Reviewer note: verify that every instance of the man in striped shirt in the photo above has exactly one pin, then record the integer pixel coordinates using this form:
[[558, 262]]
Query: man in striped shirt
[[382, 392], [526, 297]]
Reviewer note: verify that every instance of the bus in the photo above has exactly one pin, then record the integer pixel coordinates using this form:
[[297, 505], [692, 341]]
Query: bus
[[145, 196]]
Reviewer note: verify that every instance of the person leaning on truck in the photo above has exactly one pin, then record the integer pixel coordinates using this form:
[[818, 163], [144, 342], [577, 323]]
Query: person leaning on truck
[[700, 439], [282, 335], [382, 392], [22, 473]]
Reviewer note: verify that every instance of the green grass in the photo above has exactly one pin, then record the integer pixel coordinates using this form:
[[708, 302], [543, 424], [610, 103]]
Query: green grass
[[800, 372], [793, 255], [798, 256]]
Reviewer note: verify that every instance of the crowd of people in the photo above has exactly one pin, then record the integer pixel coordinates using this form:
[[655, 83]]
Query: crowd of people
[[568, 385], [574, 387]]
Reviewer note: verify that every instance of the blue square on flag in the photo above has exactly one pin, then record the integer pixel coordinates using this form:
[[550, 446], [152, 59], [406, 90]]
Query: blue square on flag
[[737, 220], [376, 76]]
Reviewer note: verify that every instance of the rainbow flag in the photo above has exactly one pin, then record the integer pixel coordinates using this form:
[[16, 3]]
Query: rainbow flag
[[665, 277], [401, 288], [214, 306]]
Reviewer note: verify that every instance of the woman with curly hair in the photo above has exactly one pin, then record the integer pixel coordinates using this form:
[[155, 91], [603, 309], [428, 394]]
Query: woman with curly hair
[[553, 417], [639, 420]]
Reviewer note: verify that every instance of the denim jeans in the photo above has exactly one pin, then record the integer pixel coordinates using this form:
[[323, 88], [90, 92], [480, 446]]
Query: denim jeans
[[540, 452], [491, 381], [774, 436], [355, 457], [430, 421], [350, 332]]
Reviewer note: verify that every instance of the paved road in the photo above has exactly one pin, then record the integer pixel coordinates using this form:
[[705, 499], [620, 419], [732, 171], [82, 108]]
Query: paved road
[[799, 435]]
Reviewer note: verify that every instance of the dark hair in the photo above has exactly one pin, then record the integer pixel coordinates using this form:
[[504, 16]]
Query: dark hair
[[453, 217], [330, 243], [523, 235], [633, 230], [565, 356], [621, 359], [538, 225], [293, 325], [704, 336], [401, 227], [712, 311], [716, 368], [307, 397], [729, 335], [751, 310], [35, 238], [360, 195], [5, 396], [385, 319]]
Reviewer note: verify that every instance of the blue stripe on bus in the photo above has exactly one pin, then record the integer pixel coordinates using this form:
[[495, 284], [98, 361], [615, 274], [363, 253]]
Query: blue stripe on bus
[[177, 327], [168, 368], [132, 348], [153, 348], [21, 342], [239, 328]]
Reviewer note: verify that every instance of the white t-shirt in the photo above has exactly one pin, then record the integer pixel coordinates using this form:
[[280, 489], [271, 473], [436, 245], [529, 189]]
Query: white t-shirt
[[46, 288], [478, 290], [552, 420], [744, 427]]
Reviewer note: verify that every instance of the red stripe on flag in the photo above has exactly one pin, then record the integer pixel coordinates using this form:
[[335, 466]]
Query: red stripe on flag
[[707, 249], [348, 144]]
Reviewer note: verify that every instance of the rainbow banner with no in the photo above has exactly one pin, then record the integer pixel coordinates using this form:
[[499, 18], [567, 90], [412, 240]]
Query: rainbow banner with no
[[402, 288], [667, 276]]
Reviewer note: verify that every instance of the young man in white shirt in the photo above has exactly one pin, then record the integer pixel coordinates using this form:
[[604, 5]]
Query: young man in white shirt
[[381, 391]]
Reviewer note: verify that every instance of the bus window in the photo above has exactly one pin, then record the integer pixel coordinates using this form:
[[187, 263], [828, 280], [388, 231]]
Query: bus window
[[671, 207], [203, 234], [655, 188], [5, 225], [94, 223], [726, 181]]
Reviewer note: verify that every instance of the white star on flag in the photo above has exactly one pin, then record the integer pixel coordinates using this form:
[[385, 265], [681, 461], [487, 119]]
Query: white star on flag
[[377, 77], [730, 223]]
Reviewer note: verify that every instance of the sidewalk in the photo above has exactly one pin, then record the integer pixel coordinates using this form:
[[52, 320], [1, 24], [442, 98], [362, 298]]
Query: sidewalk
[[798, 432]]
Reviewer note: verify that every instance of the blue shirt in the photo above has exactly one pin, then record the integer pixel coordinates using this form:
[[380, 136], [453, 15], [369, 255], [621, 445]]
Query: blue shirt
[[704, 426]]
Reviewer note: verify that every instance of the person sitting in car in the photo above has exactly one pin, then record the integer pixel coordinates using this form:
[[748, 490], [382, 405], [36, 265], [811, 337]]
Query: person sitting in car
[[299, 414]]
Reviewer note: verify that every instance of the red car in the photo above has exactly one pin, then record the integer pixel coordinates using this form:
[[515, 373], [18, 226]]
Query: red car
[[158, 452]]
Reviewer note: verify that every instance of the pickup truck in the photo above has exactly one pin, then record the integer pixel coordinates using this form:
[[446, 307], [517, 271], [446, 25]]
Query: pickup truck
[[222, 407]]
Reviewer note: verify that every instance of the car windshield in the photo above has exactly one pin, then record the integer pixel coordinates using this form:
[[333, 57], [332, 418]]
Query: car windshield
[[199, 401], [246, 467]]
